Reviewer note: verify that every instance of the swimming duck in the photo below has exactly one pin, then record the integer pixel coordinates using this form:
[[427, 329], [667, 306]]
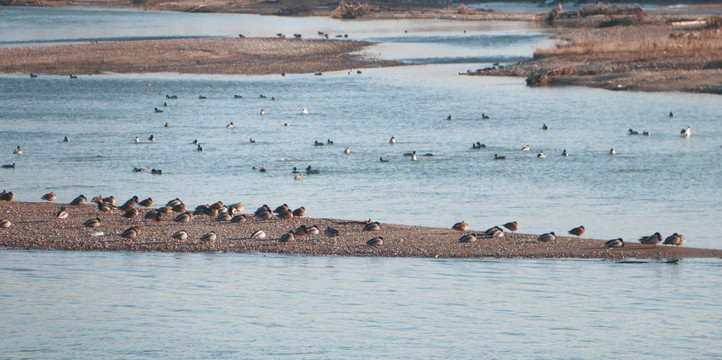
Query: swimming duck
[[201, 97], [263, 169], [449, 117], [460, 226], [347, 150], [135, 169], [547, 237], [653, 239], [377, 241], [49, 196], [209, 237], [199, 148], [381, 159], [239, 219], [478, 145], [158, 110], [130, 233], [237, 97], [33, 75], [684, 132], [318, 73], [525, 148], [329, 142], [484, 116], [392, 140], [309, 170], [137, 140], [263, 112], [565, 153], [299, 212], [171, 96], [318, 143], [195, 142], [578, 231], [467, 238], [180, 235], [304, 111], [72, 76], [414, 156], [156, 171], [632, 132], [165, 104], [646, 133], [250, 140], [545, 127], [146, 203], [258, 234], [614, 243], [287, 238], [371, 226], [671, 114], [230, 126], [331, 232], [153, 215], [62, 214], [298, 177], [130, 214], [5, 223], [9, 166], [499, 157], [185, 217], [151, 138], [65, 139], [512, 226], [80, 200], [92, 223], [612, 151], [541, 155], [675, 239], [18, 150]]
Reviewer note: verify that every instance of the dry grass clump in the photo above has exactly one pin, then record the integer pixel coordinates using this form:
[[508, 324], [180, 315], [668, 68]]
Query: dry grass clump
[[630, 15], [649, 42], [465, 10], [351, 11]]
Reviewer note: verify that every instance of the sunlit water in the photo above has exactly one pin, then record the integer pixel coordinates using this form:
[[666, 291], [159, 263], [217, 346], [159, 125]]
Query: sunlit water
[[131, 305]]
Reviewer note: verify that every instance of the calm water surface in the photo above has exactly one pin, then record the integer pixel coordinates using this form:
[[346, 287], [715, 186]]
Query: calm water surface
[[130, 305]]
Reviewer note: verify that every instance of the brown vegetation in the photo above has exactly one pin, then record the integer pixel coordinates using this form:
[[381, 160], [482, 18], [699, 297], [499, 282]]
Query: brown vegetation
[[351, 11], [641, 57]]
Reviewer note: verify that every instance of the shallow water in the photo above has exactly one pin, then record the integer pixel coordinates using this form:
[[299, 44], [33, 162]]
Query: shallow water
[[134, 305]]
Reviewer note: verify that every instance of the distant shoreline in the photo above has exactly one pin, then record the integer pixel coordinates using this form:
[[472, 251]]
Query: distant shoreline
[[36, 227]]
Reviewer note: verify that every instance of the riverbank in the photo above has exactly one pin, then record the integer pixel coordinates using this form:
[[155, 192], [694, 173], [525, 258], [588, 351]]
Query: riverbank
[[650, 53], [36, 227], [190, 55]]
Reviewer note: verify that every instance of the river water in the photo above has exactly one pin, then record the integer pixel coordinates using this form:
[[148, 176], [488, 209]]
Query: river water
[[127, 305]]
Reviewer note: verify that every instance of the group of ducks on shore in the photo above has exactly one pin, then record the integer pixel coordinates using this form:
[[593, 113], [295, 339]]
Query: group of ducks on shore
[[497, 232], [233, 214]]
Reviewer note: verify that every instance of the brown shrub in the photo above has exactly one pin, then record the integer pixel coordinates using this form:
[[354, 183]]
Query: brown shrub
[[465, 10], [351, 11]]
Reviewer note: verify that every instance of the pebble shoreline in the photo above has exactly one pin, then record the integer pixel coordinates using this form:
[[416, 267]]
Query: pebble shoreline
[[35, 227]]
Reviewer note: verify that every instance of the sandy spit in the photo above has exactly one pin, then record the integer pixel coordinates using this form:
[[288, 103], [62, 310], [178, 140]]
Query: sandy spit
[[36, 227], [195, 55]]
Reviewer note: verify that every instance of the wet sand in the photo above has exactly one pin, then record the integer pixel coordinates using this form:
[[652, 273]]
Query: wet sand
[[36, 227], [196, 55]]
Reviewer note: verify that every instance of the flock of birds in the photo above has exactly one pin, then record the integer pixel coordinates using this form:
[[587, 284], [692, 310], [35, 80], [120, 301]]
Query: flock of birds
[[177, 210], [497, 232]]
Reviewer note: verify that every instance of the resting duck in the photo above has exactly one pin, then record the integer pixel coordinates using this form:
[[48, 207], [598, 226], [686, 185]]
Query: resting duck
[[49, 196], [547, 237], [653, 239], [258, 234], [371, 226], [180, 235], [675, 239], [377, 241], [512, 226], [578, 231], [460, 226], [614, 243], [209, 237]]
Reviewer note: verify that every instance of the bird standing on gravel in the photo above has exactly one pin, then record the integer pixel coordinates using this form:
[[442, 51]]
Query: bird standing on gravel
[[460, 226]]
